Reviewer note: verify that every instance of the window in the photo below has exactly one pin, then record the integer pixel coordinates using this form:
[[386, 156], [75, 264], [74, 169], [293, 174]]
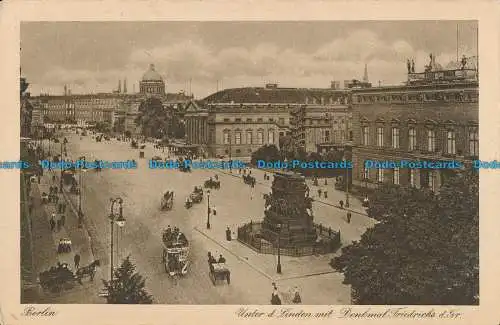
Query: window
[[249, 120], [326, 136], [431, 140], [474, 142], [260, 119], [281, 121], [395, 179], [237, 137], [238, 151], [380, 136], [237, 120], [450, 142], [226, 120], [366, 172], [412, 139], [271, 119], [260, 137], [226, 137], [365, 135], [412, 177], [395, 138], [270, 136], [431, 180], [380, 175]]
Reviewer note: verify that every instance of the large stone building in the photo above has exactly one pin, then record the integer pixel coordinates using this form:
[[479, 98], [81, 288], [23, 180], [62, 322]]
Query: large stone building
[[235, 122], [118, 108], [434, 117]]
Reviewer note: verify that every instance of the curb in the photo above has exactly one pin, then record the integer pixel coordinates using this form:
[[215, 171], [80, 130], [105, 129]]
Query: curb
[[235, 255], [75, 212]]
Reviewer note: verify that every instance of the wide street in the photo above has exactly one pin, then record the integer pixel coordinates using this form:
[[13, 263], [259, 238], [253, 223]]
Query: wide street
[[236, 203]]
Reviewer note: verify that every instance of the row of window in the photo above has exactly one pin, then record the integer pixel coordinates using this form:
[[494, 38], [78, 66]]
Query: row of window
[[473, 138], [415, 97], [249, 137], [396, 177], [260, 119]]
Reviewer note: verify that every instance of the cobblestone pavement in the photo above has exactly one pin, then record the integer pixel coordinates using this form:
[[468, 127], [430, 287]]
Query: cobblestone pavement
[[236, 203]]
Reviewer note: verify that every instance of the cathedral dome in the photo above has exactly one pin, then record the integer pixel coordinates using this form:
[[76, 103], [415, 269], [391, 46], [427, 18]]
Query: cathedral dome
[[151, 74]]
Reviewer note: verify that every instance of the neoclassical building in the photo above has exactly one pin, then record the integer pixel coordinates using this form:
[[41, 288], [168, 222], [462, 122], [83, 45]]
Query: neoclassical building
[[434, 117], [118, 107], [235, 122], [152, 83]]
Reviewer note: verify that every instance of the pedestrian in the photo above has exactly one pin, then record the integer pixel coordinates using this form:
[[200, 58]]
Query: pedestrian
[[63, 220], [349, 217], [58, 225], [296, 296], [59, 208], [52, 224], [326, 182], [64, 207], [56, 198], [275, 298], [53, 178], [325, 193], [77, 261], [341, 203], [319, 192]]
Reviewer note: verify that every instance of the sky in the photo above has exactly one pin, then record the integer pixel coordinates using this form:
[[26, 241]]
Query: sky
[[91, 57]]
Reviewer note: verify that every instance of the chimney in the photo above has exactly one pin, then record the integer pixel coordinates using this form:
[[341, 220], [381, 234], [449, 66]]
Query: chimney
[[65, 90], [119, 86], [365, 76], [133, 88], [124, 86]]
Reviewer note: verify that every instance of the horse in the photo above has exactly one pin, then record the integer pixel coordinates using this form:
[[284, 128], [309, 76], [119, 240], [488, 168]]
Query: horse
[[89, 270]]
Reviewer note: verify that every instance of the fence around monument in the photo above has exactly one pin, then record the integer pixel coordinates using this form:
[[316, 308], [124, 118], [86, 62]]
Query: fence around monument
[[247, 236]]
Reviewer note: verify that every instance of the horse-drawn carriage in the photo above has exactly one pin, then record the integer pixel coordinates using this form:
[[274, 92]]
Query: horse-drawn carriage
[[213, 184], [218, 270], [249, 179], [182, 166], [62, 277], [195, 197], [167, 200], [175, 252], [57, 278]]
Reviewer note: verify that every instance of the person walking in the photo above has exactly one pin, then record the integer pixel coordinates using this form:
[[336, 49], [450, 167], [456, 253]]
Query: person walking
[[275, 298], [52, 223], [64, 207], [349, 217], [296, 296], [77, 261], [63, 220]]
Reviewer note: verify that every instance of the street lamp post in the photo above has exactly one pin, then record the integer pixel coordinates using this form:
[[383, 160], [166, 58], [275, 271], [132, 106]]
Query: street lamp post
[[278, 267], [61, 180], [347, 169], [208, 209], [120, 221]]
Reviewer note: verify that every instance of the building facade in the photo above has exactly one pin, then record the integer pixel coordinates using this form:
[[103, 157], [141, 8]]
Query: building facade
[[235, 122], [434, 117], [118, 108]]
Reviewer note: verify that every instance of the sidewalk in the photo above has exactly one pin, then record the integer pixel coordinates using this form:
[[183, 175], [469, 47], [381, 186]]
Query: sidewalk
[[80, 242]]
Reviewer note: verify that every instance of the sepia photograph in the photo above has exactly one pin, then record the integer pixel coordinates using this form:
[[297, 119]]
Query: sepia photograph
[[249, 163]]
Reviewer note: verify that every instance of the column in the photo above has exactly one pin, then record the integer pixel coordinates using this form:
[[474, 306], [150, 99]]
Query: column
[[417, 177], [437, 180]]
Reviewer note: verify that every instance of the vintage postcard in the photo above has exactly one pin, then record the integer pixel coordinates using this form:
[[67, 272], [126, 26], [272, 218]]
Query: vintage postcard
[[267, 162]]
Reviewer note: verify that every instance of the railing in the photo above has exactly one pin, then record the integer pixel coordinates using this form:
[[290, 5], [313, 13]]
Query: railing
[[329, 241]]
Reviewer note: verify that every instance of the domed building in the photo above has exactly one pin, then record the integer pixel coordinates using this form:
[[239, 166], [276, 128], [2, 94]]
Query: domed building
[[152, 83]]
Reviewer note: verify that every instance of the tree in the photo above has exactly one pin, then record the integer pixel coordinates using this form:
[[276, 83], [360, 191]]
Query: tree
[[153, 118], [127, 286], [268, 153], [425, 249]]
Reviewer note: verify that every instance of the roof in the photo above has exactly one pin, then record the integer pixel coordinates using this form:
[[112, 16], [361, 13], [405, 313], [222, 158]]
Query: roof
[[271, 95], [151, 74]]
